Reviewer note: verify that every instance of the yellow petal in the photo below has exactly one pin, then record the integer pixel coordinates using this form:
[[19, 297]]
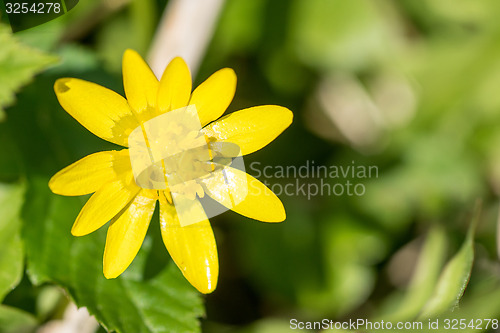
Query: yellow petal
[[192, 248], [252, 128], [126, 233], [213, 96], [102, 206], [102, 111], [252, 198], [90, 173], [141, 85], [175, 86]]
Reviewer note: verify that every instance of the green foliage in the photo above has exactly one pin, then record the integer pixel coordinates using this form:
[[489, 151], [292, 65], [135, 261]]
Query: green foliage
[[12, 254], [433, 290], [340, 34], [13, 320], [453, 280], [18, 64], [424, 279], [349, 250]]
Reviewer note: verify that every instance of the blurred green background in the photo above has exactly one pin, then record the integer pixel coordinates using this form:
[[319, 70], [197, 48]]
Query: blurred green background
[[408, 86]]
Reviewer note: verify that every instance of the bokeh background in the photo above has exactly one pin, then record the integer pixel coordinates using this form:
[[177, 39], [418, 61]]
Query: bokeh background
[[408, 86]]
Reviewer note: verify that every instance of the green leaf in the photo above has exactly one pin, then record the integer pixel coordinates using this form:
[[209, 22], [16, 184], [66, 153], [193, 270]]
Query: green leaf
[[453, 279], [13, 320], [18, 64], [11, 256], [424, 280], [130, 303]]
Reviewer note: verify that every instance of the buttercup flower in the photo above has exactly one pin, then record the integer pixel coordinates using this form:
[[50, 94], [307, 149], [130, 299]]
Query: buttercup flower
[[128, 204]]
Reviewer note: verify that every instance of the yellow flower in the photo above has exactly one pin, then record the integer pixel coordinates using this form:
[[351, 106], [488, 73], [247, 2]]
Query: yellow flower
[[119, 199]]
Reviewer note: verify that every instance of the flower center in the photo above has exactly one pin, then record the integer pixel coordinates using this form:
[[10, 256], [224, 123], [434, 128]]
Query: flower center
[[171, 153]]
